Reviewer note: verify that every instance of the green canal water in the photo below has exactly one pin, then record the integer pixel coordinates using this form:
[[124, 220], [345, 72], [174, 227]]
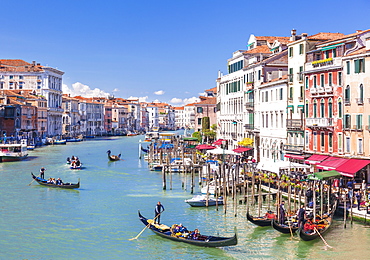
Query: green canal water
[[97, 220]]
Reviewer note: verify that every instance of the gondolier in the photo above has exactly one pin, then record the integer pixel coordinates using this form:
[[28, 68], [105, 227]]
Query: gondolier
[[282, 213], [42, 173], [157, 212]]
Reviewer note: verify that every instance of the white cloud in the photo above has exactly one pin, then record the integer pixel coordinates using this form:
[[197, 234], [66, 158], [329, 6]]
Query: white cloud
[[141, 99], [176, 100], [79, 89], [159, 92], [185, 101], [116, 90]]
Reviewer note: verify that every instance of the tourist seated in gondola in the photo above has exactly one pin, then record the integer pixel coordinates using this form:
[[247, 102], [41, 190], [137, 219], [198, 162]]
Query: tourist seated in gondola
[[68, 160], [78, 163], [309, 227], [59, 182], [195, 234], [270, 215]]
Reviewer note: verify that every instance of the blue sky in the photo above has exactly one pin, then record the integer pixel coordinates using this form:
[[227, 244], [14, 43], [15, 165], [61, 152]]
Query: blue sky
[[160, 50]]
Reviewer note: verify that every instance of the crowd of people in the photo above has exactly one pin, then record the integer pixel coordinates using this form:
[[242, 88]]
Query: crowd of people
[[74, 161]]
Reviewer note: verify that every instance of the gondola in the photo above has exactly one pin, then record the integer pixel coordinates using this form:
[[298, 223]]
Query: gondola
[[63, 186], [259, 221], [205, 241], [322, 226], [113, 157], [286, 229], [144, 150]]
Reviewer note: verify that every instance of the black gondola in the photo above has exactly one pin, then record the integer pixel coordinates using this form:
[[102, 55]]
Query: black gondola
[[205, 241], [286, 229], [144, 150], [259, 221], [323, 226], [113, 157], [63, 186]]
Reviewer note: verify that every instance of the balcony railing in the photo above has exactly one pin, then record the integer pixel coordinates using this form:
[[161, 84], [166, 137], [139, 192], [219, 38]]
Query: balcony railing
[[249, 105], [319, 122], [293, 148], [249, 126], [294, 123]]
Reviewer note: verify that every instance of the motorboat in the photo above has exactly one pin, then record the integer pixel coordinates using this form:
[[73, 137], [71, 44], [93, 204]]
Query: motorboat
[[201, 201]]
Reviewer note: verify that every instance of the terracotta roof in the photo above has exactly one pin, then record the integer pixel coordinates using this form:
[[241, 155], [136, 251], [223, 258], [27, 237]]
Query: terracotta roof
[[271, 39], [189, 105], [212, 89], [325, 36], [178, 108], [258, 49], [344, 37], [18, 66], [208, 101]]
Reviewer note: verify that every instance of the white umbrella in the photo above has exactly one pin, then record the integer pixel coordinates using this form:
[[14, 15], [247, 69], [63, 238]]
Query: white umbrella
[[221, 151]]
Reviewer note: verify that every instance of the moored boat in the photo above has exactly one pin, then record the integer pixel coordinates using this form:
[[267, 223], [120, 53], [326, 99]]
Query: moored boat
[[259, 221], [288, 228], [44, 182], [63, 141], [13, 152], [201, 201], [205, 241]]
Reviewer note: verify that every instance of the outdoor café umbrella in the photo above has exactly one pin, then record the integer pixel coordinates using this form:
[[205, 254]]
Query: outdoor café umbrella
[[241, 149]]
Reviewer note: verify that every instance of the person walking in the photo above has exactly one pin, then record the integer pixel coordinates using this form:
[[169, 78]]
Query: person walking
[[42, 173], [157, 212], [358, 198]]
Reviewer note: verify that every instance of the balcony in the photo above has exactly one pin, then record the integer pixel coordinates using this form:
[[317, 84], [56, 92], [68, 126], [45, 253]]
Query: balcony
[[293, 148], [313, 90], [320, 90], [324, 63], [249, 105], [347, 101], [328, 89], [319, 122], [249, 126], [294, 124], [357, 128]]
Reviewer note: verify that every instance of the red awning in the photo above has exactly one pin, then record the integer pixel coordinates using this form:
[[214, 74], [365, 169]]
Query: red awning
[[316, 158], [331, 163], [294, 156], [241, 149], [204, 147], [352, 166], [219, 142]]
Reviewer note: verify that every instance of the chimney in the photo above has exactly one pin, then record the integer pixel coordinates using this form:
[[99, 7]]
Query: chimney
[[293, 34], [33, 63], [358, 31], [304, 35]]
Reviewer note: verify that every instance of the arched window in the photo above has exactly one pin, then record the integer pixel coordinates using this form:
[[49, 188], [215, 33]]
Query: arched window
[[347, 95], [340, 111], [315, 108], [306, 109], [361, 94], [330, 108], [322, 108]]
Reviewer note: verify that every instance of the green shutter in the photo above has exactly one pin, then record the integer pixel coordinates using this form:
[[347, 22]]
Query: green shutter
[[357, 66], [348, 68]]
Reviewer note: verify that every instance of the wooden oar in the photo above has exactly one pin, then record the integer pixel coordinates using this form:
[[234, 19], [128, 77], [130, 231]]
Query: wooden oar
[[322, 237], [33, 179], [290, 228], [144, 228]]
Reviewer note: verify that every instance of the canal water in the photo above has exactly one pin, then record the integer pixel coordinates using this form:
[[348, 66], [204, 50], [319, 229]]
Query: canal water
[[97, 220]]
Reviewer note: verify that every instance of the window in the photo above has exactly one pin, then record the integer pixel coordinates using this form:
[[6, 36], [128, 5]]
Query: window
[[322, 77], [322, 108], [307, 83], [358, 121], [11, 77], [259, 75], [330, 140], [314, 140], [330, 108], [348, 67], [360, 94], [290, 51], [315, 108], [267, 96], [347, 121], [330, 79], [314, 81], [301, 48], [334, 52], [291, 93], [348, 144], [360, 145], [20, 77], [281, 93], [290, 74], [340, 78], [300, 73], [327, 54], [322, 139], [347, 95], [301, 93], [340, 142], [359, 66], [306, 139], [199, 109], [199, 121], [340, 111], [306, 108]]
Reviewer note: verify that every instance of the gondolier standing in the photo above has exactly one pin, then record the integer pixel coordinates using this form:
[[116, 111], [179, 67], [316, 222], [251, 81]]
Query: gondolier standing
[[282, 213], [157, 212], [42, 172]]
